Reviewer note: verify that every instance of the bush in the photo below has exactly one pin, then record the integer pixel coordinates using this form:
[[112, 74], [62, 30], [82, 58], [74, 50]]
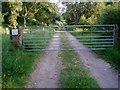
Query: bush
[[110, 15], [83, 20]]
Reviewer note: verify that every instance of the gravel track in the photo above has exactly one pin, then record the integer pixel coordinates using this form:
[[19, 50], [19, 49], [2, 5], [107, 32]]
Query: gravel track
[[47, 70], [46, 74], [106, 76]]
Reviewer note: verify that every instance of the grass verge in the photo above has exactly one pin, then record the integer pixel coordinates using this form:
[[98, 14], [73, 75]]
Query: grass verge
[[16, 64], [73, 73], [112, 56]]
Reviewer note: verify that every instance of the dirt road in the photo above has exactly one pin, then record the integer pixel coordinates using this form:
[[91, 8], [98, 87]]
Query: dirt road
[[47, 70], [106, 76]]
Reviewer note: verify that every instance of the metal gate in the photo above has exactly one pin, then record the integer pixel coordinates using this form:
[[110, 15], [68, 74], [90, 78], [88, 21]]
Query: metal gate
[[37, 38], [95, 37]]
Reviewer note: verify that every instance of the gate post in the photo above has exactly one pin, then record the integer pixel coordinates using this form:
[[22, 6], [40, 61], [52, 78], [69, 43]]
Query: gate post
[[16, 36], [116, 36], [20, 37]]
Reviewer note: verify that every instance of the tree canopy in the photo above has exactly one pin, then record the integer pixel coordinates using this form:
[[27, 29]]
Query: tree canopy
[[29, 13], [92, 13], [46, 13]]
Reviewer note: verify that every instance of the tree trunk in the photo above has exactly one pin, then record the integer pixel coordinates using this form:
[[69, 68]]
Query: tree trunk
[[24, 21], [47, 24]]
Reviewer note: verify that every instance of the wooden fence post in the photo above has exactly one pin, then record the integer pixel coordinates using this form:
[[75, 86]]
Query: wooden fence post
[[16, 36], [116, 36], [20, 36]]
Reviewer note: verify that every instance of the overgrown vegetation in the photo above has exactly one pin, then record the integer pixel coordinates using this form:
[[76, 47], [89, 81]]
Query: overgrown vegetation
[[92, 13], [73, 72], [16, 64]]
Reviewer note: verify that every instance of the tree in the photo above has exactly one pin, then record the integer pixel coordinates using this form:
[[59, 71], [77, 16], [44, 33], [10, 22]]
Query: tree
[[29, 13], [29, 9], [76, 10], [110, 14], [10, 12], [47, 13]]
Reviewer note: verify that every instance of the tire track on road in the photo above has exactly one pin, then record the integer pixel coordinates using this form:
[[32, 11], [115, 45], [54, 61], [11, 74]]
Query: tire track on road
[[46, 74]]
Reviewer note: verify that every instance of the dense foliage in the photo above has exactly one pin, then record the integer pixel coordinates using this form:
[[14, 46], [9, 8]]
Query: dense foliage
[[92, 13], [29, 13], [110, 14]]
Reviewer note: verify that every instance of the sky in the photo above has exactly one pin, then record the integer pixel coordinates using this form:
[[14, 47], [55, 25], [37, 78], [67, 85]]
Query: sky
[[54, 1], [61, 7], [87, 0]]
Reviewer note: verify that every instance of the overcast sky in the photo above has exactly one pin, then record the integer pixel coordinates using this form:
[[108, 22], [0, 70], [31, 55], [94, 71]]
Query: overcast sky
[[53, 1], [86, 0], [61, 7]]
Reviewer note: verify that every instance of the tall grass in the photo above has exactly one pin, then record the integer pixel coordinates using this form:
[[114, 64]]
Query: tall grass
[[112, 56], [16, 64]]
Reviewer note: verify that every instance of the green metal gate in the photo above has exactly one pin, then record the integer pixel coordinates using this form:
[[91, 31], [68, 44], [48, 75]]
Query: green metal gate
[[95, 37]]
